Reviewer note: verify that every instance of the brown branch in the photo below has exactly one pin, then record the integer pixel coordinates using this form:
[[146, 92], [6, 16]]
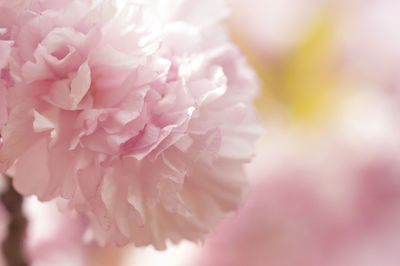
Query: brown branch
[[13, 245]]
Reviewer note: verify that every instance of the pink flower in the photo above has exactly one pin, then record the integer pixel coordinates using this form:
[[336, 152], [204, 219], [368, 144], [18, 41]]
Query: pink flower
[[273, 27], [279, 28], [374, 61], [139, 115], [53, 238]]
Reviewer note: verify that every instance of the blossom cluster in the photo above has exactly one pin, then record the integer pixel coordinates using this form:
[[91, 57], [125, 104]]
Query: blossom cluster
[[136, 114]]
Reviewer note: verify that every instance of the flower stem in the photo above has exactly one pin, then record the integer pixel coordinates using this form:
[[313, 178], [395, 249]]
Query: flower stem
[[13, 245]]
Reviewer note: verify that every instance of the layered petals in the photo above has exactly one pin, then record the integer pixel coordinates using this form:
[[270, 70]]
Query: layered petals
[[139, 115]]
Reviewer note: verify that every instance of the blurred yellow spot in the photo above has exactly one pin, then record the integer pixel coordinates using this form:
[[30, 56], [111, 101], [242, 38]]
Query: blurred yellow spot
[[303, 81], [307, 77]]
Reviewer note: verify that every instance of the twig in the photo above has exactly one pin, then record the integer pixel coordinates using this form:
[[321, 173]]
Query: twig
[[13, 245]]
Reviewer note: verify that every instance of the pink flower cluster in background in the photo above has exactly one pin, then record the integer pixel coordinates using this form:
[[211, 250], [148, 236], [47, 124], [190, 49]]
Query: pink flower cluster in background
[[330, 200], [136, 114]]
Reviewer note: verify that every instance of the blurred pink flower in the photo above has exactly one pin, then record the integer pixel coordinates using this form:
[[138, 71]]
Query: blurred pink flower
[[53, 238], [273, 27], [139, 114], [363, 35], [370, 44], [329, 200]]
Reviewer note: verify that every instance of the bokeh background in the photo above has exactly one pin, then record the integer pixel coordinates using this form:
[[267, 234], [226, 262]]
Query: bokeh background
[[325, 183]]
